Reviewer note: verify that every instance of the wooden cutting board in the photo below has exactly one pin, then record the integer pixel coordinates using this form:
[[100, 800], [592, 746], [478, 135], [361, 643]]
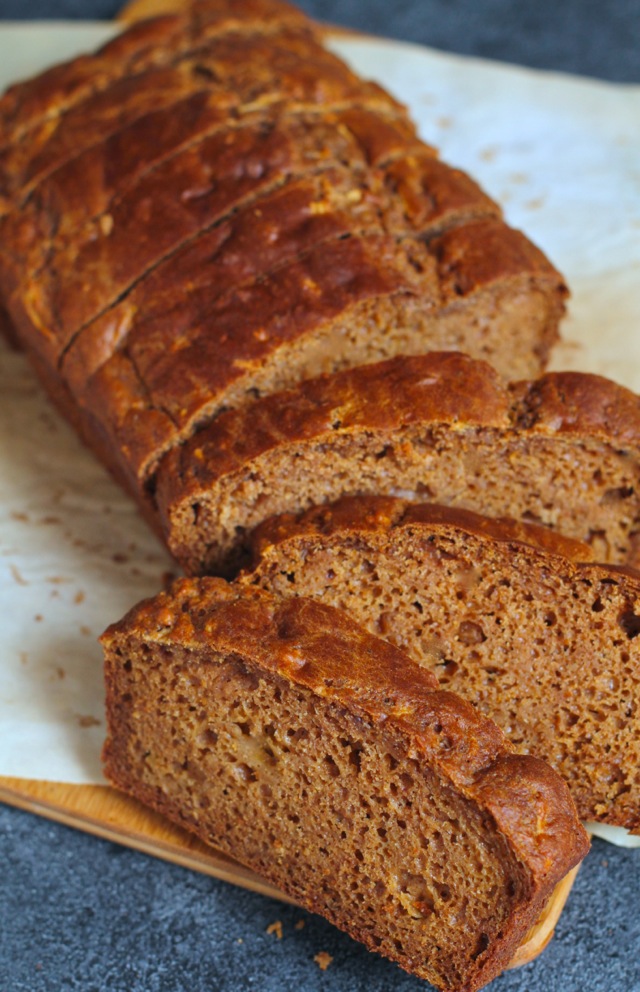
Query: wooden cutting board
[[102, 811]]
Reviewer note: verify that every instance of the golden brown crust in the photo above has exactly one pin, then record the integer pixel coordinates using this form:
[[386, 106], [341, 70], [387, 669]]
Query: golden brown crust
[[320, 648], [248, 72], [383, 514], [578, 403]]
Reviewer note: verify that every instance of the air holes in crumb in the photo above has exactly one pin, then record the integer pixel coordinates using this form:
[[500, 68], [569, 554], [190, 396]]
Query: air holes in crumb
[[550, 619], [598, 605], [471, 633], [354, 758], [208, 738], [449, 669], [204, 72], [331, 767], [483, 943], [630, 623], [245, 773], [615, 495]]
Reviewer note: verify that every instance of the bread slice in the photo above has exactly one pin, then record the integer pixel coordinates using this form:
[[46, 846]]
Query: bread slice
[[562, 451], [340, 304], [266, 234], [506, 614], [323, 758], [260, 169]]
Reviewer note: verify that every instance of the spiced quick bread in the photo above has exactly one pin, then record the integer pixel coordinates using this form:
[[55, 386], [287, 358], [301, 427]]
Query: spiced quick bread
[[562, 451], [327, 761], [131, 183], [511, 616]]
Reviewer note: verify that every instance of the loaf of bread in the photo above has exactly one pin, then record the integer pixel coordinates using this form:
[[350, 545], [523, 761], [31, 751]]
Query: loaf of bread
[[215, 207], [508, 615], [562, 451], [327, 761]]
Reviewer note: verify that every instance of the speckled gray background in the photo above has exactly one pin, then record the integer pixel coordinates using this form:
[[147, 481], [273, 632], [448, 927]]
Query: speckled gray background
[[81, 914]]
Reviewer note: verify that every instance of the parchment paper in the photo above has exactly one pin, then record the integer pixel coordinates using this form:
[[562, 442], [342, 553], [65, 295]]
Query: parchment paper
[[561, 154]]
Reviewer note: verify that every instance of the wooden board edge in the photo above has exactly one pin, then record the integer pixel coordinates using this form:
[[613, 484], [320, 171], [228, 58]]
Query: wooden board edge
[[106, 813]]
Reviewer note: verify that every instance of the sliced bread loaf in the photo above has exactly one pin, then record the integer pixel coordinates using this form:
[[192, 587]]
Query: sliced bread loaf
[[341, 303], [324, 759], [562, 451], [434, 266], [508, 615]]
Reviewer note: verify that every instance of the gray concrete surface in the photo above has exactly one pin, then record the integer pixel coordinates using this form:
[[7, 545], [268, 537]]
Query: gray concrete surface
[[81, 914]]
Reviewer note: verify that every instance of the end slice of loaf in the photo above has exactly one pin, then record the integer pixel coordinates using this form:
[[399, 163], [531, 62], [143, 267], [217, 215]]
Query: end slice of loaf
[[324, 759], [563, 451], [508, 615]]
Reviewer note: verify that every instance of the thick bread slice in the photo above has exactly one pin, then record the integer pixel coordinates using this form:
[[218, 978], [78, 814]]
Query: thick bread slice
[[340, 304], [324, 759], [263, 234], [563, 451], [508, 615]]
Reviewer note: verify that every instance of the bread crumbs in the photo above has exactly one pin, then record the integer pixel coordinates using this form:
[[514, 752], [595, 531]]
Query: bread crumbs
[[299, 925], [323, 960], [275, 928]]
